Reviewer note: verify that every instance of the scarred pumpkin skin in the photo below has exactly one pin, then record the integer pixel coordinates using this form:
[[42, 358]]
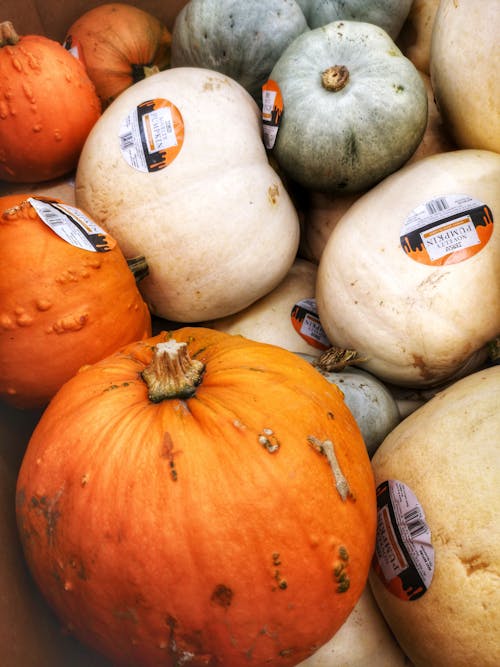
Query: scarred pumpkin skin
[[119, 45], [207, 530], [61, 306], [48, 106]]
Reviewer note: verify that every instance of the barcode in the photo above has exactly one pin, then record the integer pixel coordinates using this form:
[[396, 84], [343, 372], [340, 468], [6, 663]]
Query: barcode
[[415, 522], [436, 205], [126, 140], [53, 218]]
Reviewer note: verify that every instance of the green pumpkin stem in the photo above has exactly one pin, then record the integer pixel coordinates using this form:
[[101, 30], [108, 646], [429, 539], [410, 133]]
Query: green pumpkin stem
[[335, 78], [172, 373], [8, 35]]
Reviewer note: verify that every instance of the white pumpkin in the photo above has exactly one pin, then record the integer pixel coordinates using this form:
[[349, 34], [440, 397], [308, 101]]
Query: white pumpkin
[[410, 275], [364, 640], [465, 72], [415, 36], [285, 317], [205, 208], [436, 579]]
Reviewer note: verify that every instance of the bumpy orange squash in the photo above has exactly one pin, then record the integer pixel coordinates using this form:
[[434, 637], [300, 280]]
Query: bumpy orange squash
[[48, 105], [61, 306], [201, 499]]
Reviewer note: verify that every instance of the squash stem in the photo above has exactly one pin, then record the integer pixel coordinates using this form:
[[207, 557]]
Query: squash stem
[[172, 373], [8, 34], [335, 78], [139, 267]]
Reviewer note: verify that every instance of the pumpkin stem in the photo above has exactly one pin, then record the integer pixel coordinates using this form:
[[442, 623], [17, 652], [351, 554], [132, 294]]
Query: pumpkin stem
[[326, 448], [337, 358], [335, 78], [8, 34], [172, 373], [139, 267]]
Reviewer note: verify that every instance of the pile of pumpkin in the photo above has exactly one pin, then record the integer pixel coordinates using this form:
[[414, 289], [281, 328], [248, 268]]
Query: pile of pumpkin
[[249, 325]]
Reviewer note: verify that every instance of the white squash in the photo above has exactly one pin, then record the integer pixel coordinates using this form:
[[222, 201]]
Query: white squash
[[285, 317], [412, 286], [206, 209], [438, 471], [414, 39], [363, 641], [465, 72]]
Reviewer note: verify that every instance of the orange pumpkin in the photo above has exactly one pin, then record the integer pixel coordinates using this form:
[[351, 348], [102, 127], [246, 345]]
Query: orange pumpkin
[[48, 106], [199, 498], [61, 306], [119, 44]]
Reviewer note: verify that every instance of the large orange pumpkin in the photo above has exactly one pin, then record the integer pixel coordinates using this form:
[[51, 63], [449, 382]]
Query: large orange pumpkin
[[198, 498], [61, 306], [119, 44], [48, 105]]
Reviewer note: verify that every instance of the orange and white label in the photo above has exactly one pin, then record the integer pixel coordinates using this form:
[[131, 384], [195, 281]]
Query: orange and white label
[[74, 47], [404, 555], [306, 323], [151, 136], [446, 230], [272, 110], [72, 225]]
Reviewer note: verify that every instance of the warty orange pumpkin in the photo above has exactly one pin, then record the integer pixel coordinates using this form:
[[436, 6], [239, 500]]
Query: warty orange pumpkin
[[48, 105], [61, 305], [198, 498]]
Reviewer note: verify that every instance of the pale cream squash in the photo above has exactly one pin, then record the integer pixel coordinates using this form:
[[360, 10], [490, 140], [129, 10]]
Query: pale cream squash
[[412, 286], [446, 455], [274, 319], [211, 216], [464, 71], [414, 39]]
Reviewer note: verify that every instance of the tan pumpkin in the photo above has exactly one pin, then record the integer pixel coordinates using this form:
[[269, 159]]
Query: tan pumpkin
[[436, 580], [415, 36], [119, 44], [47, 109], [464, 59], [211, 502]]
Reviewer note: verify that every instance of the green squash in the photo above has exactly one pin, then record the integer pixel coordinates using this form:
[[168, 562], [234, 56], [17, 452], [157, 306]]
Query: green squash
[[388, 14], [355, 108], [240, 39]]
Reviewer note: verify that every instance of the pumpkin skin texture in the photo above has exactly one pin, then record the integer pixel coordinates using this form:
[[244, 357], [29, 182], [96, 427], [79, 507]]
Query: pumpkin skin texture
[[62, 306], [218, 228], [49, 106], [119, 45], [443, 449], [387, 14], [384, 300], [353, 72], [178, 513], [30, 635], [477, 123], [242, 40]]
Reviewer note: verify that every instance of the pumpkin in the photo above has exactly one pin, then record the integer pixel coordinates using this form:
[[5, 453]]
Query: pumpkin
[[324, 210], [48, 107], [30, 635], [415, 36], [409, 275], [240, 39], [61, 305], [465, 40], [372, 404], [286, 317], [387, 14], [217, 226], [352, 72], [364, 639], [438, 472], [211, 502], [119, 44]]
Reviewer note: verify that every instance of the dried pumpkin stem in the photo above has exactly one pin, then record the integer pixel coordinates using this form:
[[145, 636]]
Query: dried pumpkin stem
[[139, 267], [337, 358], [8, 34], [335, 78], [172, 373]]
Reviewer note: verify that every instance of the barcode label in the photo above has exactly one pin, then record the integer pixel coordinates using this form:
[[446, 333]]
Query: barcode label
[[436, 205], [415, 522], [126, 140]]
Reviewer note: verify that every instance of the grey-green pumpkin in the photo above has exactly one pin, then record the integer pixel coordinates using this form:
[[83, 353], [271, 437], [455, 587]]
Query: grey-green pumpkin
[[355, 108]]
